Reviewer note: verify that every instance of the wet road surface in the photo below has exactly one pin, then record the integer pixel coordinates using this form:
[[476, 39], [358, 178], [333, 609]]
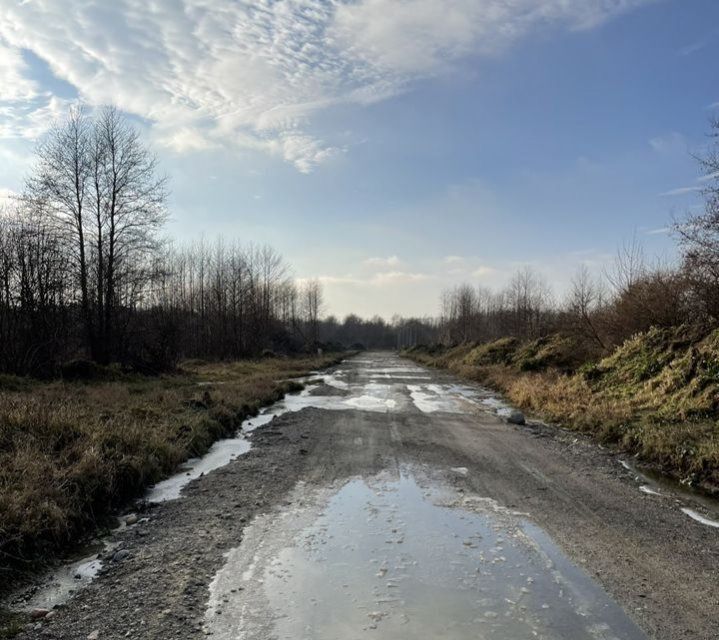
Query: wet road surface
[[390, 501]]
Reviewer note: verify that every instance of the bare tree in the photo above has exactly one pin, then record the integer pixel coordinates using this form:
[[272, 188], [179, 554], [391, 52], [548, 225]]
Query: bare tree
[[311, 309], [129, 202], [585, 299], [59, 189], [96, 183], [699, 232]]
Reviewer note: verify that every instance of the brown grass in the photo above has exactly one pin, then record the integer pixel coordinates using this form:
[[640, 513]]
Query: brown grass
[[72, 452]]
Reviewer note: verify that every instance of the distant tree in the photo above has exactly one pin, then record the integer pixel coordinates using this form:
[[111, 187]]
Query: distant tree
[[585, 300], [311, 309], [699, 232], [528, 298]]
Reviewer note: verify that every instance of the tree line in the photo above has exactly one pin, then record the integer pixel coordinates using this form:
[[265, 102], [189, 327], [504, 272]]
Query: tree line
[[603, 310], [86, 274]]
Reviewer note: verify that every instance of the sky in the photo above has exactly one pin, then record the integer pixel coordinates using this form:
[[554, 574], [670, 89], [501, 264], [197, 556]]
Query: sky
[[390, 148]]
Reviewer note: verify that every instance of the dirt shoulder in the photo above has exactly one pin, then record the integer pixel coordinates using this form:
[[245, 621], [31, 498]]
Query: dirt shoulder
[[656, 563]]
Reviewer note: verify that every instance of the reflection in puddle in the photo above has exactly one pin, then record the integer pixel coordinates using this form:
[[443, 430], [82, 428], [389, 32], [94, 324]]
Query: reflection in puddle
[[392, 556], [668, 488]]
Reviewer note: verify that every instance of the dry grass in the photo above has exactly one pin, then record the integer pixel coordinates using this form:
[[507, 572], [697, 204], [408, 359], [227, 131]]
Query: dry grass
[[71, 452], [656, 396]]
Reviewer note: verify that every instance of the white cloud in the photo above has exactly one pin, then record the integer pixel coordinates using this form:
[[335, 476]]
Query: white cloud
[[14, 80], [484, 271], [397, 277], [680, 191], [254, 74], [422, 36], [453, 260], [697, 188], [693, 47], [709, 177], [391, 261], [673, 142], [381, 279], [25, 110]]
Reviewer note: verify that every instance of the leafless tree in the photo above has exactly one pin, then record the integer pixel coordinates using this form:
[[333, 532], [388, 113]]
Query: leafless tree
[[699, 233], [311, 294], [96, 184], [59, 189], [585, 300]]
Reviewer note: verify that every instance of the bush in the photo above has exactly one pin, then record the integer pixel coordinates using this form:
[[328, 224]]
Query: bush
[[83, 370]]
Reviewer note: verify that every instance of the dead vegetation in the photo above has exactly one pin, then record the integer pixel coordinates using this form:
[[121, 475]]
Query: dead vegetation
[[70, 452], [656, 396]]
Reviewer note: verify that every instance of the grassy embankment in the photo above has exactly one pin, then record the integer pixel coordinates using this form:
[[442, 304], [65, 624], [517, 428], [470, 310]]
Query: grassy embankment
[[656, 396], [71, 452]]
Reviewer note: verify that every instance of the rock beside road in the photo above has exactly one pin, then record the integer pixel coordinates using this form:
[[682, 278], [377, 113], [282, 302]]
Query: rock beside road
[[516, 417], [120, 555]]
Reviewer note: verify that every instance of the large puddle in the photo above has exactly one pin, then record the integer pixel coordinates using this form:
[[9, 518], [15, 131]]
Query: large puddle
[[391, 557]]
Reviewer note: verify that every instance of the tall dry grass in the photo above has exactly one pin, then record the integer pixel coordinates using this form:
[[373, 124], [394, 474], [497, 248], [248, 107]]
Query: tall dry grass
[[72, 452]]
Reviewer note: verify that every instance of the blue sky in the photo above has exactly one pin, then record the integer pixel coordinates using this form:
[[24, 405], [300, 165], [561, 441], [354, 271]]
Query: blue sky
[[390, 147]]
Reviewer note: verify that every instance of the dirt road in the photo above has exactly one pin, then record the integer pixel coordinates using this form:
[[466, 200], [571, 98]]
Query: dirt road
[[389, 501]]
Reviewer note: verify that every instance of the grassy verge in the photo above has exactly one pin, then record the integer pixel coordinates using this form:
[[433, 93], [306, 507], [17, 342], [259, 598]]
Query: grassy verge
[[70, 453], [655, 397]]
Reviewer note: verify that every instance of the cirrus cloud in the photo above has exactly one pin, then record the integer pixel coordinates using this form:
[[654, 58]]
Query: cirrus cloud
[[254, 74]]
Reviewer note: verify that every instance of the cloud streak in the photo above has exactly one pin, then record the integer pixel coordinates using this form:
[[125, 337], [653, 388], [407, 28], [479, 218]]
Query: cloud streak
[[255, 75]]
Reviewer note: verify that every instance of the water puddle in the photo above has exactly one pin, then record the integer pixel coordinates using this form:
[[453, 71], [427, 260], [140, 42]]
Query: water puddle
[[388, 557], [694, 515], [220, 454], [432, 399], [57, 586], [455, 398], [362, 394], [60, 585], [651, 483]]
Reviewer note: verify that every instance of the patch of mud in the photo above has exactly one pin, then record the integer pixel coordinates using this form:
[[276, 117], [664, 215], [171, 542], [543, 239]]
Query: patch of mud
[[395, 557]]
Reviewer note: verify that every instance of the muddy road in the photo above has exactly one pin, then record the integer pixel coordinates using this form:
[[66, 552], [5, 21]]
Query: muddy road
[[390, 501]]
